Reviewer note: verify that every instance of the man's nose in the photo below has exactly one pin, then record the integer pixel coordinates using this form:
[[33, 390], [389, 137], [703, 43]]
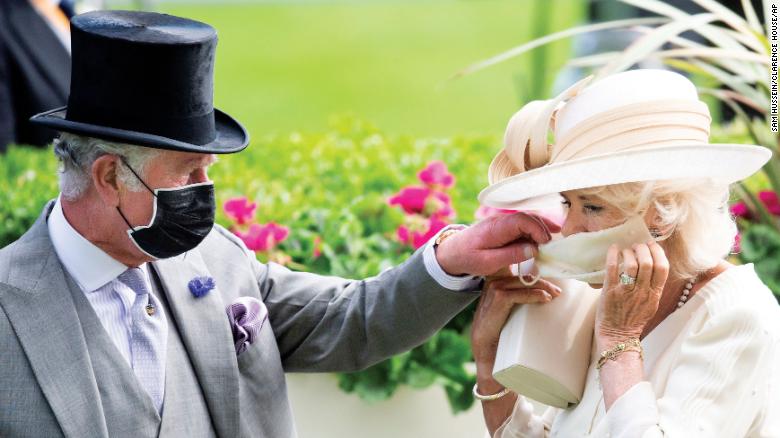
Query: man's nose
[[199, 175]]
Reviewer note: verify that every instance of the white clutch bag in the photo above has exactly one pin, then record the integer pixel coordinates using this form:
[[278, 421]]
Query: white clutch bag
[[544, 350]]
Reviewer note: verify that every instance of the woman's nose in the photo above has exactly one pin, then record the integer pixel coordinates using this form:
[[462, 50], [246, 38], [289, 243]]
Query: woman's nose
[[571, 226]]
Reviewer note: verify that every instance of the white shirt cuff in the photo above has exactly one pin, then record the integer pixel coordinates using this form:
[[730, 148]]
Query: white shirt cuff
[[634, 412], [445, 280]]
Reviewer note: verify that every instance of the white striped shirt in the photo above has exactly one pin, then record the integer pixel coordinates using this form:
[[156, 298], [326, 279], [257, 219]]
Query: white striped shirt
[[96, 274]]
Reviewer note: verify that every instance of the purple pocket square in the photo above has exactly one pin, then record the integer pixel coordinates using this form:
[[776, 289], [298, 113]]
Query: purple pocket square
[[247, 316]]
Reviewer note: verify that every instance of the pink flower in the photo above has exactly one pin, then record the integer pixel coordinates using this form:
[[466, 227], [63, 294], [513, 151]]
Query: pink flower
[[263, 238], [317, 251], [435, 224], [439, 204], [484, 212], [737, 243], [770, 201], [740, 210], [767, 197], [403, 233], [418, 238], [240, 210], [411, 199], [436, 175], [422, 200]]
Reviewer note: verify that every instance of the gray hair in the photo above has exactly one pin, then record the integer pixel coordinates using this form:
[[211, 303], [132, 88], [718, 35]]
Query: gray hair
[[77, 153]]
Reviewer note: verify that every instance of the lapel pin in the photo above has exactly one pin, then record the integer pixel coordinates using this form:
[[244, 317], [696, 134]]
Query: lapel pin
[[200, 286]]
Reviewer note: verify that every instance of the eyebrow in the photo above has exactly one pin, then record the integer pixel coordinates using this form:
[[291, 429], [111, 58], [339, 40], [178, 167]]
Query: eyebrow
[[580, 197], [211, 159]]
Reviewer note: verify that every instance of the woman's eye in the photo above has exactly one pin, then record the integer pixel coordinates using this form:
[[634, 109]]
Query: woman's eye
[[593, 208], [567, 204]]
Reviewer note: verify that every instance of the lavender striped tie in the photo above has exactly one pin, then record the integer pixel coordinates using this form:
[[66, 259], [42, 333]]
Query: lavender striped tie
[[149, 336]]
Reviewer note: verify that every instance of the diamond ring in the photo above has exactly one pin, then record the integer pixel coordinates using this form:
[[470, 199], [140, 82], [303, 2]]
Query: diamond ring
[[627, 279]]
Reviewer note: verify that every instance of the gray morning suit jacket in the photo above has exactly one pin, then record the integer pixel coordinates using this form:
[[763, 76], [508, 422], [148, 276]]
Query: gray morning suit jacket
[[60, 374]]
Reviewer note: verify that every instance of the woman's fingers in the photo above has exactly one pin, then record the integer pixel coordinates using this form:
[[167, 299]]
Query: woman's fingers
[[660, 266], [611, 277], [500, 297], [625, 309], [514, 283], [630, 263], [645, 259], [527, 296], [508, 292]]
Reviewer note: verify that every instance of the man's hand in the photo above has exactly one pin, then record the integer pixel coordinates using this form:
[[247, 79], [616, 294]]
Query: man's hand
[[494, 243]]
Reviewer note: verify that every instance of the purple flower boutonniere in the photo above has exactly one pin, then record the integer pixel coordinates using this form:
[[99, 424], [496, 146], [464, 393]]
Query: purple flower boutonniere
[[200, 286]]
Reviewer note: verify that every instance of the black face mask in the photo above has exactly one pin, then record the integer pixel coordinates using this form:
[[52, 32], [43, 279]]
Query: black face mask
[[183, 217]]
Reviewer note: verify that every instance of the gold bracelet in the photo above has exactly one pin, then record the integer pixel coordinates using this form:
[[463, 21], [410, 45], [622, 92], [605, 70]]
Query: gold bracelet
[[490, 397], [630, 344]]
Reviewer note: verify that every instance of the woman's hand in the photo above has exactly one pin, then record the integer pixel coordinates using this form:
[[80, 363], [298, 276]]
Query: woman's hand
[[624, 310], [502, 291], [499, 296]]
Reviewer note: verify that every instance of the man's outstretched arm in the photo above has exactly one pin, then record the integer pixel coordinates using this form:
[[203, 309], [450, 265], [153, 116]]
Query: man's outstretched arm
[[324, 323]]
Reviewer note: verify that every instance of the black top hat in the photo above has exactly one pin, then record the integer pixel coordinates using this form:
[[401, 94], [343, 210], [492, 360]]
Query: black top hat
[[145, 79]]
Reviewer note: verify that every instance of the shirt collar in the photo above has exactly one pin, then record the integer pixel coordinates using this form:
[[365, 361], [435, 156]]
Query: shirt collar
[[89, 265]]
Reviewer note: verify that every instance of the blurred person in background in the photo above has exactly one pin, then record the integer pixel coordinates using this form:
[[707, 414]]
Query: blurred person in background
[[34, 66]]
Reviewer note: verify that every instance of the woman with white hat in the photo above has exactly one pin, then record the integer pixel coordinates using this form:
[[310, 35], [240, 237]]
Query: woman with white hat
[[685, 343]]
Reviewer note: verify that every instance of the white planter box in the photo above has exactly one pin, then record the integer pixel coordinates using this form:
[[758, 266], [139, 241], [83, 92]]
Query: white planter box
[[322, 410]]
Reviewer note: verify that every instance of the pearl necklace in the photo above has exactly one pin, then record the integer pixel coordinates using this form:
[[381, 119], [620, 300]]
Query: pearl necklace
[[685, 293]]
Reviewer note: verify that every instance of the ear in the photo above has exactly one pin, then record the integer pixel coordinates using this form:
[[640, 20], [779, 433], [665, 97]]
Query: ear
[[653, 221], [104, 178]]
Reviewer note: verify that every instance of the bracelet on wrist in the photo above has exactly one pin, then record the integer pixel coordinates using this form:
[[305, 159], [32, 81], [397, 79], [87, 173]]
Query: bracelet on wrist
[[490, 397], [630, 344]]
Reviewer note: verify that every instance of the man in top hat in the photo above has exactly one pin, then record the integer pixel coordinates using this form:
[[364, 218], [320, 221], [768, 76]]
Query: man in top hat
[[125, 311]]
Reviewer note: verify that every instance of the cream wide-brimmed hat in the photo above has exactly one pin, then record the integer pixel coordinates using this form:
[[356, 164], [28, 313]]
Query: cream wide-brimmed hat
[[638, 125]]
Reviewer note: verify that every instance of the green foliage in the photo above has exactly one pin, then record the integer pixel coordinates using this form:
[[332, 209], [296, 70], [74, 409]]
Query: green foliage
[[333, 185], [28, 178], [440, 360], [761, 246], [759, 242]]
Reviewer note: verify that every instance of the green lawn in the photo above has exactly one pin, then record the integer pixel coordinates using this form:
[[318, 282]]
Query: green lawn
[[289, 67]]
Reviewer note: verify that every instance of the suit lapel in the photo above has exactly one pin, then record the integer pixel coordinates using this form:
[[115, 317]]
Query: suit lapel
[[44, 318], [206, 333], [36, 38]]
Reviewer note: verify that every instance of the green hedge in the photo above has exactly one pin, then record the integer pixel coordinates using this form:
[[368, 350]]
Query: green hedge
[[335, 185]]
